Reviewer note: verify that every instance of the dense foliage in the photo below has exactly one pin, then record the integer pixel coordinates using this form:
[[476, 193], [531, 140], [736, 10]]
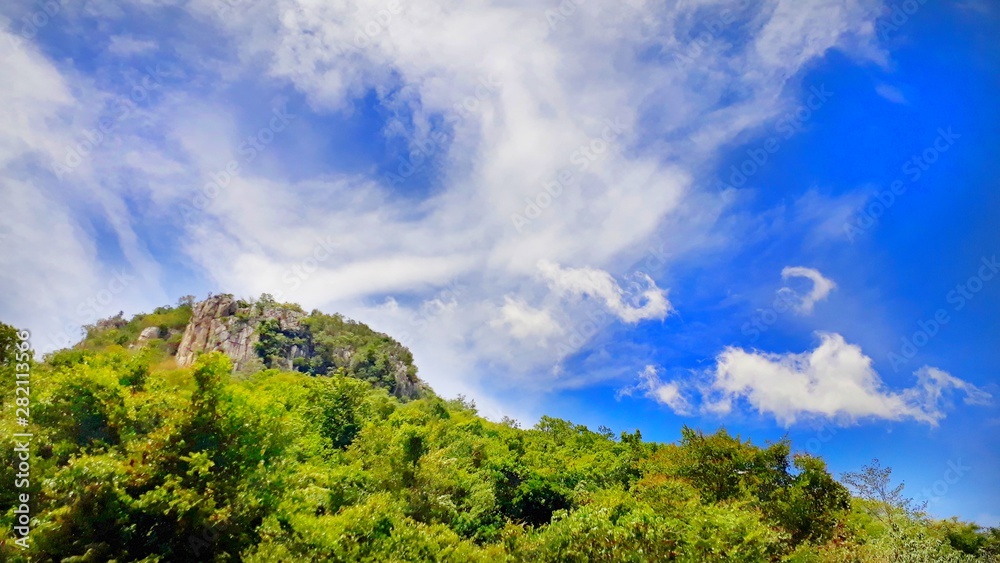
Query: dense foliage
[[169, 321], [135, 459], [336, 344]]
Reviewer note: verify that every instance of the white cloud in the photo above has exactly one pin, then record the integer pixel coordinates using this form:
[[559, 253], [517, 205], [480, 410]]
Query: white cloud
[[820, 290], [835, 380], [891, 93], [31, 104], [934, 384], [525, 322], [126, 46], [537, 95], [578, 282], [556, 89], [51, 272], [651, 386], [824, 216]]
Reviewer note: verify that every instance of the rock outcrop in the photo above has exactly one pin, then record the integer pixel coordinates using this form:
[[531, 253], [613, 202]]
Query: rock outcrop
[[222, 323], [407, 386], [147, 334]]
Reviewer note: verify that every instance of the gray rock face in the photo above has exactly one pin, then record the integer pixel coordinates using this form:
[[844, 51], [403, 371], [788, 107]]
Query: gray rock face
[[148, 333], [117, 321], [406, 387], [222, 323]]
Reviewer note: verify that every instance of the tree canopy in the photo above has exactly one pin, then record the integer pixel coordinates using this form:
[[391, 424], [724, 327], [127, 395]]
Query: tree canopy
[[136, 459]]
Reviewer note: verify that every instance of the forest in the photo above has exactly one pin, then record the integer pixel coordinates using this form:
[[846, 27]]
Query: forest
[[135, 458]]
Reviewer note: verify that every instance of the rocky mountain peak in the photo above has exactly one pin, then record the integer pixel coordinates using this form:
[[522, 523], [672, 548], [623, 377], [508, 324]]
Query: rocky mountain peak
[[229, 325], [265, 333]]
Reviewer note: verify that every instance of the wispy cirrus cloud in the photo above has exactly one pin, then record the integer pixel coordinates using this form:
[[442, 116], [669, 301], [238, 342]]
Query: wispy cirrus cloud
[[125, 45], [422, 72]]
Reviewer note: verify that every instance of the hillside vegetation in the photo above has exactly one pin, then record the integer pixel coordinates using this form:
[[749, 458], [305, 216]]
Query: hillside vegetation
[[137, 459]]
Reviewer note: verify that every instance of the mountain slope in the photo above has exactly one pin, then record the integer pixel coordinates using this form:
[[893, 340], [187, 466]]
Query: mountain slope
[[263, 333], [136, 457]]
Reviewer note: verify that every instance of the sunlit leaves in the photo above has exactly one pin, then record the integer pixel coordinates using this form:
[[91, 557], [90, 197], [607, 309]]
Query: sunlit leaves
[[138, 460]]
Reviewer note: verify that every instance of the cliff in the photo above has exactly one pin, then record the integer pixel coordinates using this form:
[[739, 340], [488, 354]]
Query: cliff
[[269, 334], [230, 326]]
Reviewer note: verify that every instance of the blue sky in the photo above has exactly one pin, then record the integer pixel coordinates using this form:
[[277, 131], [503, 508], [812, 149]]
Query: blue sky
[[775, 219]]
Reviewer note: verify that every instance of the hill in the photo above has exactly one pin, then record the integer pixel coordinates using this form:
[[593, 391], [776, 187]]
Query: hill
[[262, 333], [231, 430]]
